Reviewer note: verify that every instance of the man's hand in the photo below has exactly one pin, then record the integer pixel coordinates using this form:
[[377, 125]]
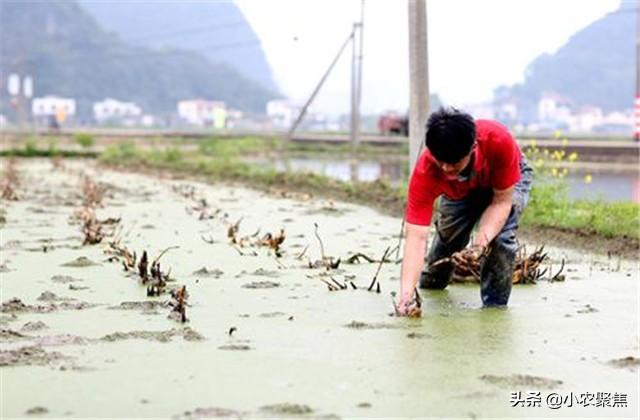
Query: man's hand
[[468, 256], [467, 261], [409, 305], [412, 263]]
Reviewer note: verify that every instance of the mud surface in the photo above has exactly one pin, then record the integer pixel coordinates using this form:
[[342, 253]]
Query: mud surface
[[287, 409], [629, 362], [521, 381], [186, 333], [80, 262], [235, 347], [265, 337], [261, 285], [29, 356]]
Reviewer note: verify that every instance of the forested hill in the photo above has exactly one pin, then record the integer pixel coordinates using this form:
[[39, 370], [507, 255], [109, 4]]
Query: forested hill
[[595, 67], [69, 54], [213, 28]]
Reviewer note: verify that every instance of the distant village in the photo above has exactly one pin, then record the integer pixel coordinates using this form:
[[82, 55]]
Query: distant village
[[554, 112]]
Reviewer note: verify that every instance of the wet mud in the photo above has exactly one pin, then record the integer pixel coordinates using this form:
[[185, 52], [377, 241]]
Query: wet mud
[[261, 285], [144, 306], [287, 409], [358, 325], [629, 362], [235, 347], [29, 355], [36, 411], [64, 279], [80, 262], [15, 305], [289, 329], [521, 381], [186, 333], [34, 326], [206, 272]]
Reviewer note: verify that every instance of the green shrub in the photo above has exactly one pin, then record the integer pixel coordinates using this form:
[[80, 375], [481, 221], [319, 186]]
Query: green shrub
[[30, 147], [120, 153], [53, 146], [85, 140], [226, 148]]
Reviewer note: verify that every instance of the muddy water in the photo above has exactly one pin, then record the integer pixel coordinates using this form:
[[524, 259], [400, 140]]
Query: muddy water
[[295, 349]]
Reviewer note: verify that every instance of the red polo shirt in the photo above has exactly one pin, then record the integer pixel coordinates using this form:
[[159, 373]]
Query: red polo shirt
[[496, 165]]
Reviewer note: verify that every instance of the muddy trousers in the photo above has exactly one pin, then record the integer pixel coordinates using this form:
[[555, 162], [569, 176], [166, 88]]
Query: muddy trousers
[[453, 230]]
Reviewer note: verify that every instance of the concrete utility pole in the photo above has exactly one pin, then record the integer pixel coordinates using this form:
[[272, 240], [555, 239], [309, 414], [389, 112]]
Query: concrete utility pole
[[356, 79], [353, 133], [418, 78], [636, 108]]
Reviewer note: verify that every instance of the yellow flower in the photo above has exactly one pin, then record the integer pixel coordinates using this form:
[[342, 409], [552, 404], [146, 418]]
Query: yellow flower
[[546, 152], [565, 142], [554, 171], [564, 172], [573, 156], [533, 143], [557, 134], [588, 178]]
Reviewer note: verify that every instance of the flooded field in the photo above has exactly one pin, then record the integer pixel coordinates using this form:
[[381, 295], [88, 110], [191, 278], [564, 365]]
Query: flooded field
[[608, 184], [265, 337]]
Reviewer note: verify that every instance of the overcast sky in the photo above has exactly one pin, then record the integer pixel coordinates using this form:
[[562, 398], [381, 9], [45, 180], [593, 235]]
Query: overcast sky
[[474, 45]]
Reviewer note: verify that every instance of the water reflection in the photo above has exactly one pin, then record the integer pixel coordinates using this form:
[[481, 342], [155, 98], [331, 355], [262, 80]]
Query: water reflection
[[348, 170], [606, 185]]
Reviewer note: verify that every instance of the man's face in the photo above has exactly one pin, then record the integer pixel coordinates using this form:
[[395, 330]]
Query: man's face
[[452, 170]]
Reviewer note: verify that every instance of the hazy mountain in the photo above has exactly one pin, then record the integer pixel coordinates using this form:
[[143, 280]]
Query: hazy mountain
[[216, 29], [595, 67], [69, 54]]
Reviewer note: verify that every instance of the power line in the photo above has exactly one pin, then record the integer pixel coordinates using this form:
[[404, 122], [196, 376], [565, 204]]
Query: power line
[[195, 30], [150, 52]]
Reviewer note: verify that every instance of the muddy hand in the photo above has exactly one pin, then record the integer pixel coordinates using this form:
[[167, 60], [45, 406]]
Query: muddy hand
[[467, 256], [409, 306]]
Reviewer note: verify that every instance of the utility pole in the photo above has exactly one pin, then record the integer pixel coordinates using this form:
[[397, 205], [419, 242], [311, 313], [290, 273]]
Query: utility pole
[[418, 78], [354, 88], [356, 79], [636, 108], [317, 89], [418, 86]]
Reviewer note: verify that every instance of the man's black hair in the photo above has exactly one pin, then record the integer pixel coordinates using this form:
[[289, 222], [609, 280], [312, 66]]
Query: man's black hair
[[450, 134]]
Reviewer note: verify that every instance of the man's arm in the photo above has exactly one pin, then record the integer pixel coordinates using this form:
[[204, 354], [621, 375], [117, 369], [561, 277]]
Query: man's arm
[[412, 262], [494, 217]]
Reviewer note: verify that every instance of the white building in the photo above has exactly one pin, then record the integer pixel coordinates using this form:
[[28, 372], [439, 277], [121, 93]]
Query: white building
[[619, 118], [202, 112], [111, 109], [283, 113], [147, 120], [621, 122], [53, 106], [585, 119], [553, 107]]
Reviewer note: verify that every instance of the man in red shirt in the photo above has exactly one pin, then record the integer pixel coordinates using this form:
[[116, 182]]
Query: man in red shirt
[[483, 178]]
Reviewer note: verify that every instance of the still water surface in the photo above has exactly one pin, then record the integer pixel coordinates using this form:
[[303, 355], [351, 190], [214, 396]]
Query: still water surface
[[606, 185]]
